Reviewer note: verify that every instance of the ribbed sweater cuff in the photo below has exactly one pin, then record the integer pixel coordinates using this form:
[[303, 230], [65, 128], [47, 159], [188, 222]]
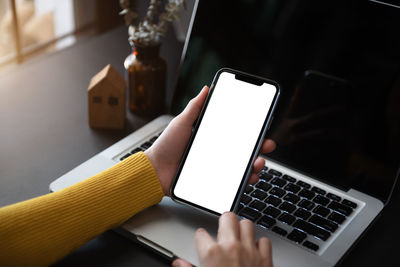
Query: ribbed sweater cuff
[[46, 228]]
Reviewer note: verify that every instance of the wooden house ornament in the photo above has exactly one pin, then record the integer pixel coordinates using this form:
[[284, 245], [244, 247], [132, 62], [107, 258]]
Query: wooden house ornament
[[106, 99]]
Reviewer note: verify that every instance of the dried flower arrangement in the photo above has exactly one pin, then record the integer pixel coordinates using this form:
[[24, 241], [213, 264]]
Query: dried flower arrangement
[[151, 29]]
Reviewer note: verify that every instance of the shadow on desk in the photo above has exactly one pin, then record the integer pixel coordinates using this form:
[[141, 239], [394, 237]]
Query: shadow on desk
[[111, 249]]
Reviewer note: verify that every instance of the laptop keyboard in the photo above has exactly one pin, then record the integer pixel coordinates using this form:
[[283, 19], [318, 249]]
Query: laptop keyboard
[[305, 210], [278, 199], [142, 147]]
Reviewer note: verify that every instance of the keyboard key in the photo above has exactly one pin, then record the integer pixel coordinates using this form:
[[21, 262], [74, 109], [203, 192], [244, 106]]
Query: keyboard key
[[274, 172], [343, 209], [125, 156], [318, 190], [279, 231], [265, 176], [146, 145], [292, 198], [336, 217], [307, 194], [323, 201], [259, 194], [303, 184], [258, 205], [245, 199], [265, 168], [310, 245], [349, 203], [277, 192], [297, 236], [250, 214], [136, 150], [289, 178], [249, 189], [293, 188], [286, 206], [278, 182], [271, 211], [266, 221], [321, 211], [263, 185], [312, 229], [302, 213], [153, 139], [241, 206], [308, 205], [287, 218], [273, 201], [324, 223], [334, 197]]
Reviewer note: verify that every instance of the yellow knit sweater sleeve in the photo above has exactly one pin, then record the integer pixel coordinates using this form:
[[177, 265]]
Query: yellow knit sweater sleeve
[[42, 230]]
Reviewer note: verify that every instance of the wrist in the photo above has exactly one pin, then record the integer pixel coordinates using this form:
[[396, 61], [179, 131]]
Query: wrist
[[151, 155]]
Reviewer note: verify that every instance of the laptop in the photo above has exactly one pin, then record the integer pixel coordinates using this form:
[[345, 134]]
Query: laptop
[[336, 126]]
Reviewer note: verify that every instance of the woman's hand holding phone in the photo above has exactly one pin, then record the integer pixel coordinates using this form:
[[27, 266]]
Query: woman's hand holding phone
[[218, 161], [166, 152], [236, 244]]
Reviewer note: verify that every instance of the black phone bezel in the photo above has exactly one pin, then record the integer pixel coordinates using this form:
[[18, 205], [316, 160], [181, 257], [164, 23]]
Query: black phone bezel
[[246, 78]]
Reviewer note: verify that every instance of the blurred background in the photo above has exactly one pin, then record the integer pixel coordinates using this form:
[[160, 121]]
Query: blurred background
[[29, 28], [32, 27]]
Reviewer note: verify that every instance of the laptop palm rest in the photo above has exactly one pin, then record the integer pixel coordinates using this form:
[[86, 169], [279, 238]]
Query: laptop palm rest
[[172, 226]]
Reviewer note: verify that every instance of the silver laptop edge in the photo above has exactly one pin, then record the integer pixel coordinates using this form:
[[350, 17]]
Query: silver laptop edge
[[168, 221], [171, 226], [111, 155]]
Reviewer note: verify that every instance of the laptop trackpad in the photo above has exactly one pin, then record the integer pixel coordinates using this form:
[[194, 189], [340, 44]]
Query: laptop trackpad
[[172, 226]]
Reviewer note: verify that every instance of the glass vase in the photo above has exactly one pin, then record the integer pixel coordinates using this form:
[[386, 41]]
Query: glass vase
[[146, 72]]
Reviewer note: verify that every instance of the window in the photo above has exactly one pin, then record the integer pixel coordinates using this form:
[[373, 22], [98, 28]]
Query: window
[[32, 27]]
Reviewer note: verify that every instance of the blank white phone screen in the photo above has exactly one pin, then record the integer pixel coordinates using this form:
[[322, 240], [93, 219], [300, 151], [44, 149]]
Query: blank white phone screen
[[225, 140]]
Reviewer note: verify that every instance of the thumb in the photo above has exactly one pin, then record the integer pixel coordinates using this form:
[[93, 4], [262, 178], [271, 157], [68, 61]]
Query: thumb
[[192, 110], [181, 263]]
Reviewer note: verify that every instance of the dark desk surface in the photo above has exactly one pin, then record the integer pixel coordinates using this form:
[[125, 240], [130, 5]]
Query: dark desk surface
[[44, 133]]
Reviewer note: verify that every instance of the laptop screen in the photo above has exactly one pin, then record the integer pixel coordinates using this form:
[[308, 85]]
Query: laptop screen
[[338, 65]]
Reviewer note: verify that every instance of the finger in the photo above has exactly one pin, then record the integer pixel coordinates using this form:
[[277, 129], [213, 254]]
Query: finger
[[258, 165], [268, 146], [228, 229], [203, 241], [247, 235], [180, 263], [265, 249], [253, 178], [192, 110]]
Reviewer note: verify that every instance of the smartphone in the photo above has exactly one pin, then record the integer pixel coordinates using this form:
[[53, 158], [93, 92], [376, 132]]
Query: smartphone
[[226, 139]]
